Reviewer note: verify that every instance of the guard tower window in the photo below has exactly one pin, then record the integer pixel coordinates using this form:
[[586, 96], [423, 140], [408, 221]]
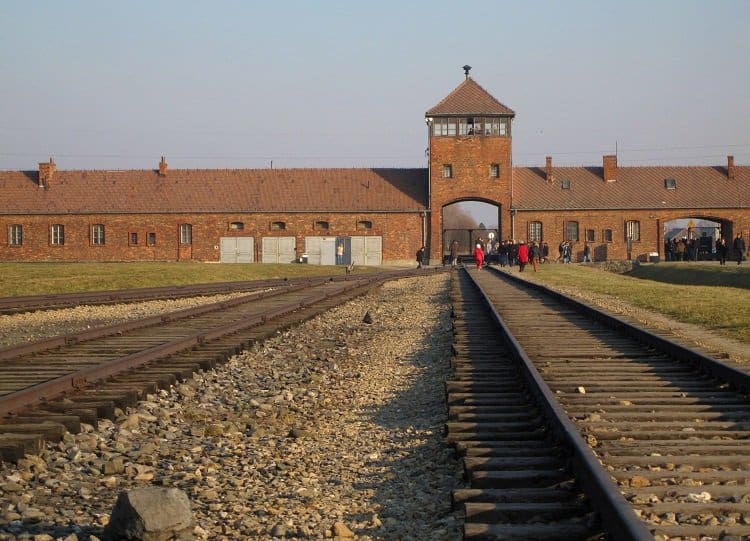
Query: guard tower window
[[495, 170], [496, 126], [470, 126], [444, 127], [447, 171]]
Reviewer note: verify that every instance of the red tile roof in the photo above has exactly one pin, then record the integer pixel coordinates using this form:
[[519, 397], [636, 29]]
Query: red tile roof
[[469, 98], [635, 188], [215, 190]]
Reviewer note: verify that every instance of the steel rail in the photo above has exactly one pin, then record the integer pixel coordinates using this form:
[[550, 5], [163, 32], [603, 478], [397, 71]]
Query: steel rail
[[36, 394], [740, 379], [617, 514], [29, 303]]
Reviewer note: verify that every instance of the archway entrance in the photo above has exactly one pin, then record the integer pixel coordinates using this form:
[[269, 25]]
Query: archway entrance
[[694, 238], [467, 223]]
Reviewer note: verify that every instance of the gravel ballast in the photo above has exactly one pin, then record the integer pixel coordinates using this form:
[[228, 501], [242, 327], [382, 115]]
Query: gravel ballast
[[329, 430]]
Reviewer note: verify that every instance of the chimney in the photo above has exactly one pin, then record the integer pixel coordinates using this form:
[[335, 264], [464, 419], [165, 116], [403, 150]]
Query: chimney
[[730, 167], [610, 168], [550, 177], [163, 167], [46, 173]]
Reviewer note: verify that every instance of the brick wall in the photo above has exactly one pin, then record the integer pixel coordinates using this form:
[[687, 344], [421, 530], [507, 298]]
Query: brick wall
[[471, 159], [402, 235], [651, 229]]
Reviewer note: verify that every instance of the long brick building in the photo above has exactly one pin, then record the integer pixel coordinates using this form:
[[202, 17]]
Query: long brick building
[[368, 216]]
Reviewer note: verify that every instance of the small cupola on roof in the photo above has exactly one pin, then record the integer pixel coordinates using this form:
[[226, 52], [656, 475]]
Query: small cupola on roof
[[469, 111]]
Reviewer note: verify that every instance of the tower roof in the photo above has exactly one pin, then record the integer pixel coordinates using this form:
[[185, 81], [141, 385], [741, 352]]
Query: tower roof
[[469, 98]]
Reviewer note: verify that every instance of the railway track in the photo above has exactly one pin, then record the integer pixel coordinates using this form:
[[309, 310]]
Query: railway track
[[31, 303], [668, 425], [52, 386]]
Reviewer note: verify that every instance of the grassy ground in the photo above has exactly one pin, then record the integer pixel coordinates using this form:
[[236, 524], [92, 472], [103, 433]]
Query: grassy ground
[[43, 278], [706, 294]]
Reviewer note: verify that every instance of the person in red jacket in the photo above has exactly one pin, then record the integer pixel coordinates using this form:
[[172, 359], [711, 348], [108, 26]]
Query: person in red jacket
[[523, 255], [479, 256]]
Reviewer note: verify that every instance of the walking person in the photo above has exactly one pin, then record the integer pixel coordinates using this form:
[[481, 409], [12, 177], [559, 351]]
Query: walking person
[[721, 251], [420, 257], [567, 248], [586, 252], [454, 253], [479, 256], [739, 247], [523, 255], [535, 254]]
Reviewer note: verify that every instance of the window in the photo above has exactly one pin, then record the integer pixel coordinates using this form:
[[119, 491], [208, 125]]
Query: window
[[57, 235], [590, 235], [133, 239], [15, 235], [565, 184], [97, 234], [571, 231], [447, 171], [321, 226], [535, 231], [495, 170], [186, 234], [607, 235], [670, 184], [633, 230], [278, 226], [151, 239], [496, 126], [444, 126], [470, 126], [364, 224], [237, 226]]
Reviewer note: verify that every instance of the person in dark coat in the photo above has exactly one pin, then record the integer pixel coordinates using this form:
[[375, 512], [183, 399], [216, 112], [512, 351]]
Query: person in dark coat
[[535, 254], [420, 257], [739, 247], [721, 250]]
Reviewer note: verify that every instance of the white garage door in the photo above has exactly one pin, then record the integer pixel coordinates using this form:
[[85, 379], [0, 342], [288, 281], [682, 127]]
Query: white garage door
[[320, 250], [237, 249], [278, 250], [367, 251]]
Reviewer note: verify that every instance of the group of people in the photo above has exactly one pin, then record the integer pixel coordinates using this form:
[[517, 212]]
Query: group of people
[[510, 252], [685, 249]]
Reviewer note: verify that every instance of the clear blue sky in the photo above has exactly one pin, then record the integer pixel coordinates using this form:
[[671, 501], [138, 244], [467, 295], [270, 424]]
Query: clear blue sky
[[235, 84]]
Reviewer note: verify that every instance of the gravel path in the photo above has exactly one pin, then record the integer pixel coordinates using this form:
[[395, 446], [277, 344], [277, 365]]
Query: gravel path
[[329, 430]]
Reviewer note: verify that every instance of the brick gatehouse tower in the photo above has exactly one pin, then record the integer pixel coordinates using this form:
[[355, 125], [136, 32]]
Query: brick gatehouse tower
[[470, 157]]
